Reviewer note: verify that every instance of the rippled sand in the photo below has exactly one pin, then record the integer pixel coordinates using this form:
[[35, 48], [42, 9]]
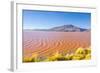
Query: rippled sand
[[45, 43]]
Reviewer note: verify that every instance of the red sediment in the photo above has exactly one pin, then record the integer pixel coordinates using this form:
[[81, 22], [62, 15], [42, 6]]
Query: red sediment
[[46, 43]]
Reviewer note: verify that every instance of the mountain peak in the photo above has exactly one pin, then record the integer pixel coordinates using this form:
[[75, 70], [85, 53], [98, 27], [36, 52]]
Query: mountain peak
[[69, 26]]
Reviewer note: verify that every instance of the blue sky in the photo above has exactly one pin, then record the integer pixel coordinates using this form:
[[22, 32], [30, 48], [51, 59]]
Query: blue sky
[[35, 19]]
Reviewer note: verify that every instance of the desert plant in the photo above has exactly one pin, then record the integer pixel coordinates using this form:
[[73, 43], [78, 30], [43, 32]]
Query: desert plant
[[88, 56], [69, 56], [27, 59], [80, 51], [88, 50], [56, 57], [78, 56], [35, 58]]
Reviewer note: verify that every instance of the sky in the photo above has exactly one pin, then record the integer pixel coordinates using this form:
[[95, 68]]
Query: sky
[[36, 19]]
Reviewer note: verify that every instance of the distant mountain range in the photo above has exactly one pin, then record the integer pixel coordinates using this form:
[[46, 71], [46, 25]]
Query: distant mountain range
[[65, 28]]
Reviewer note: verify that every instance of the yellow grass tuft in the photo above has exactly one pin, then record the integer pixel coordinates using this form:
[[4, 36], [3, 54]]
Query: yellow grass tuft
[[80, 51], [27, 59], [88, 57]]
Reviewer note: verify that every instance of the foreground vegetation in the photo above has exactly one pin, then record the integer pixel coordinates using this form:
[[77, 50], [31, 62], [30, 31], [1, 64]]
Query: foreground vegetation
[[79, 54]]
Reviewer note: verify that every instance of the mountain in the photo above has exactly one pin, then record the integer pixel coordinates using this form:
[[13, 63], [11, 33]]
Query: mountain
[[65, 28]]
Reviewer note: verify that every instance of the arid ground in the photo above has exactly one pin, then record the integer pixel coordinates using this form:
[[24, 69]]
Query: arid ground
[[46, 43]]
